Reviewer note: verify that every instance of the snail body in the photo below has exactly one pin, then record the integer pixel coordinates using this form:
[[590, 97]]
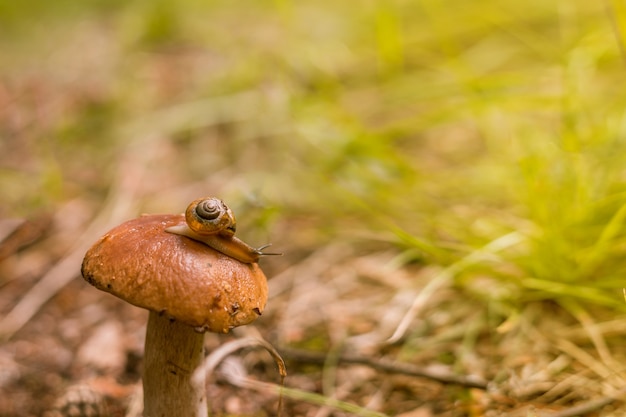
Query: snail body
[[210, 221]]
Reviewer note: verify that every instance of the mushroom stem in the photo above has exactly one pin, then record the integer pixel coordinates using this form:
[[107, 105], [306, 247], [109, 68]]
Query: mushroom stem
[[173, 351]]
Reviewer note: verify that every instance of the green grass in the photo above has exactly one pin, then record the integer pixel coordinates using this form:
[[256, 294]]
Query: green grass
[[457, 134]]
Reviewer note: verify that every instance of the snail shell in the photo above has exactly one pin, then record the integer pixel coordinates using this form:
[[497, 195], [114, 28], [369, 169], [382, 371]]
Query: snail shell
[[209, 216], [210, 221]]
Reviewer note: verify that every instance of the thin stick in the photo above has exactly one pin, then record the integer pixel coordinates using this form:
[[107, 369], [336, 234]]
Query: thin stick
[[388, 366], [584, 408]]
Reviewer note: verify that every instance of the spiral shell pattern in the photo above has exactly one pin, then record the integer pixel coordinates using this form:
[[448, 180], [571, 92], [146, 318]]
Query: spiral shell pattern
[[209, 216]]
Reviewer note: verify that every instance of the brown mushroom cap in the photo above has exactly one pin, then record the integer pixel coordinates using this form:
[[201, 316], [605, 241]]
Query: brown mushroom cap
[[186, 280]]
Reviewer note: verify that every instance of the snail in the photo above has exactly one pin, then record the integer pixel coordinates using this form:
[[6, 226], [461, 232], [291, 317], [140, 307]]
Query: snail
[[210, 221]]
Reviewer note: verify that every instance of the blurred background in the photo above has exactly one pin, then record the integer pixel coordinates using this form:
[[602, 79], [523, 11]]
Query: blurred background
[[446, 180]]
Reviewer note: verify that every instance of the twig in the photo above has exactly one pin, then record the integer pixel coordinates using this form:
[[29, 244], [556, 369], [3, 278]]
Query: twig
[[584, 408], [388, 366]]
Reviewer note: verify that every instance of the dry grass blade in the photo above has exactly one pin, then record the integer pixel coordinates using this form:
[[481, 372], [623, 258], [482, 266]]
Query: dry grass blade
[[443, 277], [296, 394], [17, 233], [585, 408], [58, 277], [595, 334], [213, 360], [585, 358]]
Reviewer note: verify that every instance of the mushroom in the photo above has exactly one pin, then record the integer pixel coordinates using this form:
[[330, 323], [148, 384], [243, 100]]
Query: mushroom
[[189, 288]]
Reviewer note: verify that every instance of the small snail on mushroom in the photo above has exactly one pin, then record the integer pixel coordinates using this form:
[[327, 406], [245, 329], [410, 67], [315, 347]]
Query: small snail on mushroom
[[210, 221]]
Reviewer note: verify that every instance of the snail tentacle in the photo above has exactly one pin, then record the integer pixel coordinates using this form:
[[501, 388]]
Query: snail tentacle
[[260, 252]]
